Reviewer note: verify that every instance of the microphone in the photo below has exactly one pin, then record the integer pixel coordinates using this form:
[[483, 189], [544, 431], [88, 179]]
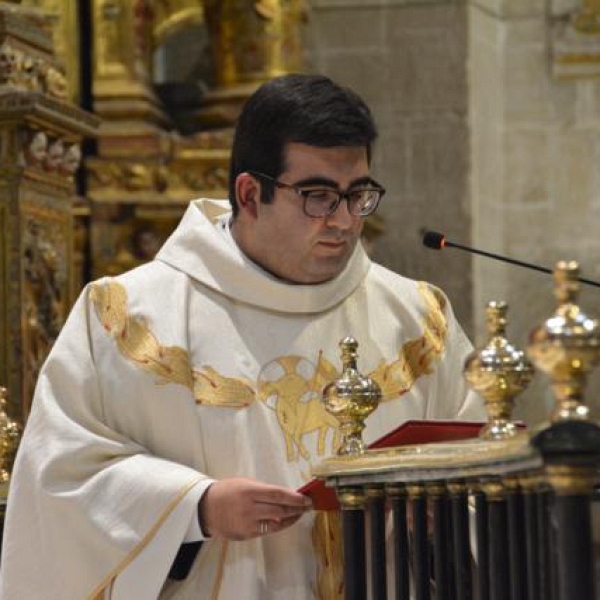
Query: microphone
[[437, 241]]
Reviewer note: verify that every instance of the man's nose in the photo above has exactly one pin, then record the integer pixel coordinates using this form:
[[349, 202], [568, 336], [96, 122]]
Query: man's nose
[[341, 217]]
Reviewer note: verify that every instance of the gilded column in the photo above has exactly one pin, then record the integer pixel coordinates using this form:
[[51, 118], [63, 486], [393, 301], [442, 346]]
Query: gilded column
[[40, 135]]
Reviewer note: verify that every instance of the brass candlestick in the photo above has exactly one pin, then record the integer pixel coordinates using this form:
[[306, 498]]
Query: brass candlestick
[[499, 372], [10, 434], [566, 346], [351, 399]]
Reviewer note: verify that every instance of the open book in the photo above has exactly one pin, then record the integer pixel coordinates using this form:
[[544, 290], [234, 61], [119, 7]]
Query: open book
[[410, 432]]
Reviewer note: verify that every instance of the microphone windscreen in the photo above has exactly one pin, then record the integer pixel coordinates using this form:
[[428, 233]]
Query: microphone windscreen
[[433, 239]]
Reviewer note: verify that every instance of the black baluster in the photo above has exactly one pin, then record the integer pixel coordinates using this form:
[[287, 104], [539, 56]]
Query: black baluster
[[498, 540], [553, 544], [397, 495], [460, 527], [543, 543], [420, 547], [352, 501], [516, 539], [530, 485], [481, 534], [376, 557], [450, 551], [575, 564], [441, 558]]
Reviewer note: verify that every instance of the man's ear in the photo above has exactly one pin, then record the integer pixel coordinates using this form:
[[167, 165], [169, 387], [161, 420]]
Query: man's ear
[[247, 191]]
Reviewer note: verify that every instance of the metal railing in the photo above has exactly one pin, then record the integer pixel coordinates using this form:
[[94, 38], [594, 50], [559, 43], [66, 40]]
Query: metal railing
[[503, 516]]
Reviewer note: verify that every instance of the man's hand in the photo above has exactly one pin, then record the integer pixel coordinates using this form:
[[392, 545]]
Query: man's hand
[[240, 509]]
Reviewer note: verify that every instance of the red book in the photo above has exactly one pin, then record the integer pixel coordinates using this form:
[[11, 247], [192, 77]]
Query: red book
[[409, 433]]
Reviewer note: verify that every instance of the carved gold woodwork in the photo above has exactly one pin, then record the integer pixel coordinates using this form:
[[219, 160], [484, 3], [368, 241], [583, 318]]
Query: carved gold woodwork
[[122, 79], [251, 41], [587, 20], [40, 137], [191, 166], [81, 225], [254, 40], [576, 43], [29, 65], [125, 236], [136, 201], [170, 16], [10, 435], [65, 38]]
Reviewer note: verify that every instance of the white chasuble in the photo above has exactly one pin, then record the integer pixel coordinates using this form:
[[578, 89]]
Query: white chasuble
[[200, 366]]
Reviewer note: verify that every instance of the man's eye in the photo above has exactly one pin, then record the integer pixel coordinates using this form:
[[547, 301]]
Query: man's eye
[[359, 194], [321, 195]]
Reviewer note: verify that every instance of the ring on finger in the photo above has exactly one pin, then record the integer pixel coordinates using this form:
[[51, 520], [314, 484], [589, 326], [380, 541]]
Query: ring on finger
[[263, 527]]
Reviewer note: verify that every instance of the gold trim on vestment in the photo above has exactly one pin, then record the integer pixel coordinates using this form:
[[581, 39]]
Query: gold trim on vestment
[[109, 580], [327, 543], [220, 569]]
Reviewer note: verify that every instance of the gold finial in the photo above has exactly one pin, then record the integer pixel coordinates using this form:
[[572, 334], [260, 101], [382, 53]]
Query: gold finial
[[351, 399], [10, 433], [587, 20], [499, 372], [566, 346]]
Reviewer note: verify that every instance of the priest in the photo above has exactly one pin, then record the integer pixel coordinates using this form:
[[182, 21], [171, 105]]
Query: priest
[[178, 411]]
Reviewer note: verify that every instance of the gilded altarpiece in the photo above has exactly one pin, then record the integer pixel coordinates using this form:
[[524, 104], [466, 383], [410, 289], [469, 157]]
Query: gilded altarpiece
[[146, 170], [40, 151]]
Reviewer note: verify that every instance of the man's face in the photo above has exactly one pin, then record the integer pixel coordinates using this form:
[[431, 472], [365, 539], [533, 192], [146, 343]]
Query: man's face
[[299, 248]]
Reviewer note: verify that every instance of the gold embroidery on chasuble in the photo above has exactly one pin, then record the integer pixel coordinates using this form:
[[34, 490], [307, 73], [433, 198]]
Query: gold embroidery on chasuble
[[296, 402], [134, 339], [416, 357], [294, 393], [171, 364], [212, 388]]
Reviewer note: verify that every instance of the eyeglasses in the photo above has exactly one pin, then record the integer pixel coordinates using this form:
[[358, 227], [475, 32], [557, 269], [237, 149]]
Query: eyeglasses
[[320, 202]]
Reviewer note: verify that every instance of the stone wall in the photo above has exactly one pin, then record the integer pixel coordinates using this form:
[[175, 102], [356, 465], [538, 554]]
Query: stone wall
[[535, 140], [408, 61]]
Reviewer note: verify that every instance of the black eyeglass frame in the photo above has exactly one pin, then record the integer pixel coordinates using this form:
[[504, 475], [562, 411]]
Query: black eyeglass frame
[[342, 195]]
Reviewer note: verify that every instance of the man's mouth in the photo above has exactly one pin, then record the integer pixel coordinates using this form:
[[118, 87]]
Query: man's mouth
[[332, 243], [332, 246]]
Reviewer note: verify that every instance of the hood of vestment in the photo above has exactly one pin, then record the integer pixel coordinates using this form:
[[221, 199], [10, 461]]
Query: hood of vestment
[[203, 248]]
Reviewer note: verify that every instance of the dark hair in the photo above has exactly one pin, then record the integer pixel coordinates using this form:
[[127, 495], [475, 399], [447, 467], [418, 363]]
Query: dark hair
[[308, 109]]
